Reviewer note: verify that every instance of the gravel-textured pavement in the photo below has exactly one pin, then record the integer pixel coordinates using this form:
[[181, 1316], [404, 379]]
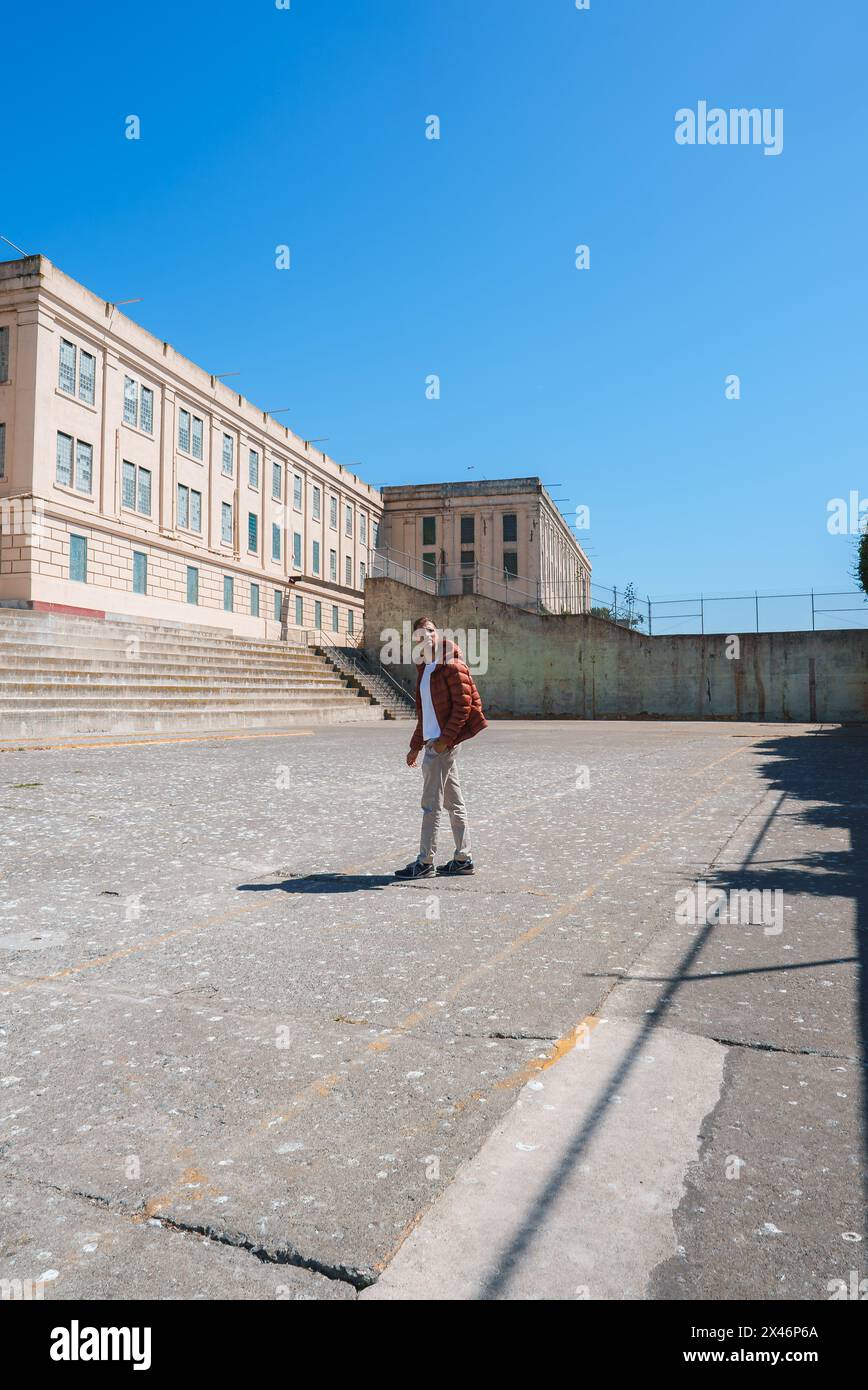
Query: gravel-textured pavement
[[238, 1061]]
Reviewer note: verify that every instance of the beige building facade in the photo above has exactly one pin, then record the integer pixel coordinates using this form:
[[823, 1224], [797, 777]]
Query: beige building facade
[[504, 538], [135, 484]]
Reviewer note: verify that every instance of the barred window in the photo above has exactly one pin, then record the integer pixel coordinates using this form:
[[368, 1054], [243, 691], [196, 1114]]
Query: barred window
[[226, 523], [296, 549], [63, 472], [317, 502], [66, 375], [147, 410], [131, 401], [128, 497], [83, 466], [253, 468], [183, 506], [228, 455], [136, 488], [144, 493], [2, 450], [4, 354], [275, 541], [333, 565], [86, 376], [184, 431], [195, 511], [276, 481], [296, 492], [252, 532], [198, 429]]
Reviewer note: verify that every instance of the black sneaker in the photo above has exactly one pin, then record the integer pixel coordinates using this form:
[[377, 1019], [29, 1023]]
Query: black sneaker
[[416, 870], [457, 868]]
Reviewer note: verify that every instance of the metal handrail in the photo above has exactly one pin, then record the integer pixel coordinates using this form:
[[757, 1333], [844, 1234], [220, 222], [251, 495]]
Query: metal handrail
[[365, 666]]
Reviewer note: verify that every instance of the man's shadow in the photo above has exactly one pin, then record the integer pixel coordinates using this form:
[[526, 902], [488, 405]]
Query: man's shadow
[[322, 883]]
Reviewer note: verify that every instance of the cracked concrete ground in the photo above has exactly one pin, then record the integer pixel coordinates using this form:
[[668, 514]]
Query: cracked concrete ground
[[237, 1061]]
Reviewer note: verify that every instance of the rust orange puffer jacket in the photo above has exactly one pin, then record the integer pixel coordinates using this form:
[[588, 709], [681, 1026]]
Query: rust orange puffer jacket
[[455, 699]]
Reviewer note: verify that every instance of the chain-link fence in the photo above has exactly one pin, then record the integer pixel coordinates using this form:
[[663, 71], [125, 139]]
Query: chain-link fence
[[811, 611]]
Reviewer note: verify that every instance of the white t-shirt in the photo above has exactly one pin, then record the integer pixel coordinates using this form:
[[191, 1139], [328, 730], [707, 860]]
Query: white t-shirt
[[430, 727]]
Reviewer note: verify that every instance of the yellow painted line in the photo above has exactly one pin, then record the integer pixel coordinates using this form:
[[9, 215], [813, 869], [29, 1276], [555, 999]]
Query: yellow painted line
[[324, 1086], [150, 742], [112, 956], [556, 1051]]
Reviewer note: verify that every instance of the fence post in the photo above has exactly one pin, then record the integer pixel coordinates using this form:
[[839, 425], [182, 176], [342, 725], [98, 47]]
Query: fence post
[[702, 614], [649, 615], [756, 605], [813, 628], [614, 605]]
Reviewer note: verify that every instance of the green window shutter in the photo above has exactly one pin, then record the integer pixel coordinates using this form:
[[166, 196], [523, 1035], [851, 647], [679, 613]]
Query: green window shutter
[[140, 572], [78, 558]]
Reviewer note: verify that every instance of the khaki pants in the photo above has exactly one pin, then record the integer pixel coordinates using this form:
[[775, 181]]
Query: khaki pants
[[441, 787]]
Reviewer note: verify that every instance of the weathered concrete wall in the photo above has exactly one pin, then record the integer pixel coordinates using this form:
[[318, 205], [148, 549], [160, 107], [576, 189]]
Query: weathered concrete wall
[[580, 667]]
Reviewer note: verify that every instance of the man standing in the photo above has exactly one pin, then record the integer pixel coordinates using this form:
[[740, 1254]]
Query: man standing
[[448, 711]]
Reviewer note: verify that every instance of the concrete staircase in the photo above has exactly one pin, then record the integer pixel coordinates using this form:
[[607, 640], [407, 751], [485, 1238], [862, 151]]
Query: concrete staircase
[[368, 676], [61, 675]]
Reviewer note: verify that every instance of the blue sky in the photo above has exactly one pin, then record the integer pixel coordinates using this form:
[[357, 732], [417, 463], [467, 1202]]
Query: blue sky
[[411, 257]]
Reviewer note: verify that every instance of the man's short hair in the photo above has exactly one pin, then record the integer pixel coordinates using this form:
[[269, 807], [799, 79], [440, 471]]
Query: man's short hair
[[420, 622]]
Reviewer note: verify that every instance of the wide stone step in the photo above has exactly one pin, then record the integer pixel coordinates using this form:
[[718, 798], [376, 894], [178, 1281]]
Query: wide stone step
[[74, 630], [115, 696], [143, 676], [149, 662], [71, 690], [146, 720], [64, 642], [42, 621]]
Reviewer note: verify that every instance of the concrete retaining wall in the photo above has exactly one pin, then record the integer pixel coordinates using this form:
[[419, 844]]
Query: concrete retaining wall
[[580, 667]]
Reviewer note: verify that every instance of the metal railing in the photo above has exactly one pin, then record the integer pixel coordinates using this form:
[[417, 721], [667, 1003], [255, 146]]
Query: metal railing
[[361, 664], [538, 596], [810, 611]]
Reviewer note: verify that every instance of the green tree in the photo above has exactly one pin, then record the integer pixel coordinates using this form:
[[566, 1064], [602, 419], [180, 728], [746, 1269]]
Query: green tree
[[861, 570]]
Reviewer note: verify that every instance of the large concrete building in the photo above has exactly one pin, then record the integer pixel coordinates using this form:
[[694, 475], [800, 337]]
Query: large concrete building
[[505, 539], [134, 484]]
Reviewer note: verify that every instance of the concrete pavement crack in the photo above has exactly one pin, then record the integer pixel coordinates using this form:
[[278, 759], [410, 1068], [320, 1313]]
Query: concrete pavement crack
[[789, 1051], [285, 1255]]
